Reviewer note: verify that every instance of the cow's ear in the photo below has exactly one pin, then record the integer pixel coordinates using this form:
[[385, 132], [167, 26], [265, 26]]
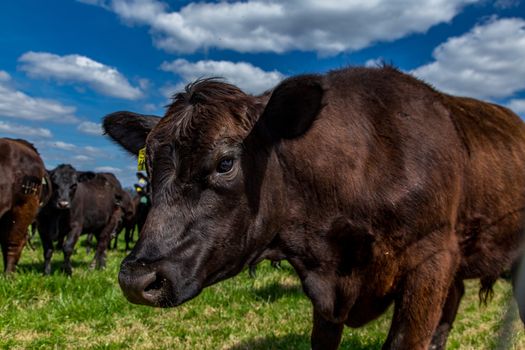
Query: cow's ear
[[293, 106], [129, 129], [83, 176]]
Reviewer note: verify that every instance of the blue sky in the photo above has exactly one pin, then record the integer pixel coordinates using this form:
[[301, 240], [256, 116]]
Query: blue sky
[[66, 64]]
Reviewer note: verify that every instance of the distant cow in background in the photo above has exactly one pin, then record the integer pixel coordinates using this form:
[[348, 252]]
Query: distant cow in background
[[142, 200], [21, 173], [377, 188], [136, 210], [82, 202], [129, 219]]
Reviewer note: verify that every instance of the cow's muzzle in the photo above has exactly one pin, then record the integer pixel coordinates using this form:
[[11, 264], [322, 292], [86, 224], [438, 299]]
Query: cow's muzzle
[[62, 204], [154, 284], [141, 285]]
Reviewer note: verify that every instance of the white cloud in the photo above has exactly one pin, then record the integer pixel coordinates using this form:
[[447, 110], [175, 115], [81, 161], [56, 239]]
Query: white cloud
[[107, 169], [374, 62], [144, 83], [97, 152], [506, 4], [82, 158], [63, 145], [90, 128], [151, 107], [246, 76], [78, 69], [327, 27], [101, 3], [93, 150], [4, 76], [487, 62], [517, 105], [169, 89], [20, 130], [17, 104]]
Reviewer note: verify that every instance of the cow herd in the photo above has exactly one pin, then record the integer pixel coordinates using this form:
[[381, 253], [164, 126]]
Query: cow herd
[[378, 189], [61, 204]]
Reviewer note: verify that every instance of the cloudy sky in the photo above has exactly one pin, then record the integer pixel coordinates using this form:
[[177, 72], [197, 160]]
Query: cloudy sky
[[64, 64]]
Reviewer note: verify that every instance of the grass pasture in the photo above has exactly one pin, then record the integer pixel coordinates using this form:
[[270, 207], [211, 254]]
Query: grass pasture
[[88, 311]]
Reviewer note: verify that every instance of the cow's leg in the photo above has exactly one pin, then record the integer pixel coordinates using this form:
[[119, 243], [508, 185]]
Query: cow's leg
[[4, 229], [128, 235], [325, 334], [93, 263], [419, 305], [115, 240], [47, 245], [22, 216], [252, 270], [104, 237], [69, 246], [455, 293], [31, 232], [89, 243], [132, 233], [518, 283]]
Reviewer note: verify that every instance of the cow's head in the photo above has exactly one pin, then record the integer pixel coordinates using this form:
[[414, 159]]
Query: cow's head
[[65, 179], [208, 163]]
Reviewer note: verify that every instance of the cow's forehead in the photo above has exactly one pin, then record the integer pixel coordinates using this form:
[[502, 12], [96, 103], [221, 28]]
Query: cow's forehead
[[206, 112], [203, 136], [64, 174]]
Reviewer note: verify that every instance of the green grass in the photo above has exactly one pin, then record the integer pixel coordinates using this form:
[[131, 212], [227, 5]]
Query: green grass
[[88, 311]]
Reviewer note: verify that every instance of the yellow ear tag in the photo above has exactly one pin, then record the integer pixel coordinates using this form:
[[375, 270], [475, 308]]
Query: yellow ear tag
[[141, 159]]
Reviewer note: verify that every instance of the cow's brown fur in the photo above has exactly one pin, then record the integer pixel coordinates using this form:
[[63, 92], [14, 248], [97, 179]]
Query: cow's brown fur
[[377, 188], [21, 173]]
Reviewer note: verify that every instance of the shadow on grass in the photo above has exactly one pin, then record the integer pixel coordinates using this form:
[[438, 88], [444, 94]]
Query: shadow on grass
[[276, 291], [297, 341], [359, 342], [56, 266], [289, 341]]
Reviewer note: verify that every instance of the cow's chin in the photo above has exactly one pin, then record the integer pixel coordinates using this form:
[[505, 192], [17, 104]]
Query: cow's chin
[[156, 288]]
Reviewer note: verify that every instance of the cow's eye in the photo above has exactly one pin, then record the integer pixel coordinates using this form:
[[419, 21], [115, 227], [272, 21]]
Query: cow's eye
[[225, 165]]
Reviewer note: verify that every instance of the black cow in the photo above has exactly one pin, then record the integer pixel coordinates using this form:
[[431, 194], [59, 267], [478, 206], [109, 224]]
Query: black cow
[[81, 202], [128, 222]]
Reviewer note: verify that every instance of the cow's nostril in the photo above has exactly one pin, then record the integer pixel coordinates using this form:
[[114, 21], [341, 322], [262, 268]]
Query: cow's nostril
[[158, 284]]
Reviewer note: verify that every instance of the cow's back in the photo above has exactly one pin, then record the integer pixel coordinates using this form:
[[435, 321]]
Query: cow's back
[[97, 200], [490, 222]]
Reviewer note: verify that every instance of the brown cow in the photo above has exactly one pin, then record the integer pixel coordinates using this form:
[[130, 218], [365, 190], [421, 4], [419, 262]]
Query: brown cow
[[21, 173], [377, 188]]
